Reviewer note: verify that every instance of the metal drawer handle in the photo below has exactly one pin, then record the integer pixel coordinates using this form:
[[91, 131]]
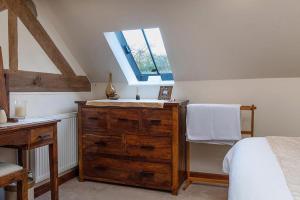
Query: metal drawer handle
[[101, 143], [93, 118], [147, 147], [146, 174], [44, 137], [155, 122], [100, 168], [126, 120], [123, 119]]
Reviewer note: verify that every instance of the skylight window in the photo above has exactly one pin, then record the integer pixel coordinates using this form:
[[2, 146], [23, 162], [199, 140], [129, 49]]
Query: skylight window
[[145, 52]]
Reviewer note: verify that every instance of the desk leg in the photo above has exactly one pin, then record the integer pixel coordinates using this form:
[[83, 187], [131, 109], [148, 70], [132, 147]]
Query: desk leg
[[22, 158], [22, 186], [53, 167]]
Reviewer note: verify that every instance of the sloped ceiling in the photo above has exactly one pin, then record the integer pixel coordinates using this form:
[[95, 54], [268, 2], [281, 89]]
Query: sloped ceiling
[[204, 39]]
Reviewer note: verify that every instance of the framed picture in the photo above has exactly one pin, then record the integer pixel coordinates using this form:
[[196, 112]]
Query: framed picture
[[165, 92]]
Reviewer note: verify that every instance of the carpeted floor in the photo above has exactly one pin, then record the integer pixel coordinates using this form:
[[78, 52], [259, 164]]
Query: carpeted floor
[[74, 190]]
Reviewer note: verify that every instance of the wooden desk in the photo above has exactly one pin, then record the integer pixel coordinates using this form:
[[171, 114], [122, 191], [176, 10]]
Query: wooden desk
[[30, 135]]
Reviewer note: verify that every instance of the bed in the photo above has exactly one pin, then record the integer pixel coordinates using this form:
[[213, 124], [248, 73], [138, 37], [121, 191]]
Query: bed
[[264, 169]]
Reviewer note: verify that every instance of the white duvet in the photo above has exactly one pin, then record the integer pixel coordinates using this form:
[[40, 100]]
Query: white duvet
[[254, 172]]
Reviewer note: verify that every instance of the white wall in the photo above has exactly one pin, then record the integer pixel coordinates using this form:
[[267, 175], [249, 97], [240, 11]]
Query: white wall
[[204, 39], [48, 103], [277, 101]]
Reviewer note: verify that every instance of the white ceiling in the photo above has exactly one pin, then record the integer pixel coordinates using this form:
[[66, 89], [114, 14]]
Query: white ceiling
[[204, 39]]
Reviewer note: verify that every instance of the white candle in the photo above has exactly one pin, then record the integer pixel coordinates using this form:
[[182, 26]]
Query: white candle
[[20, 112]]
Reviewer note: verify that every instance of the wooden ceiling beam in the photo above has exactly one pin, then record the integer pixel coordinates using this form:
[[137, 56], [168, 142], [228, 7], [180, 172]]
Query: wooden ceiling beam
[[31, 5], [13, 41], [3, 94], [20, 8], [24, 81], [2, 6]]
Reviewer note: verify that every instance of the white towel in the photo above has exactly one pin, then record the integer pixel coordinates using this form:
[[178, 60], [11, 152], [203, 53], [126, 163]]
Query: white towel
[[213, 123]]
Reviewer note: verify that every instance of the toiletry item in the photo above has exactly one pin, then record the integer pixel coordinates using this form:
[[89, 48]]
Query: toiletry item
[[3, 117], [20, 109], [137, 96]]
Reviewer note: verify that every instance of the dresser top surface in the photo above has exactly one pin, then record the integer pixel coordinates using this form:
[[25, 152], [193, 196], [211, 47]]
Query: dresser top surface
[[143, 103]]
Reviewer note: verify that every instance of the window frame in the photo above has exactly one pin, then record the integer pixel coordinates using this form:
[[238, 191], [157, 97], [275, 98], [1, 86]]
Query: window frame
[[141, 76]]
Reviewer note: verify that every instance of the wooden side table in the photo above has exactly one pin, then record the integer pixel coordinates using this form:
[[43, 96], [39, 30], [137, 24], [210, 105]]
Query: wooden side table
[[29, 135]]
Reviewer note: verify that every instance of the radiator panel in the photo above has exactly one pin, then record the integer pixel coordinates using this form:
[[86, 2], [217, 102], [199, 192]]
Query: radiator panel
[[67, 149]]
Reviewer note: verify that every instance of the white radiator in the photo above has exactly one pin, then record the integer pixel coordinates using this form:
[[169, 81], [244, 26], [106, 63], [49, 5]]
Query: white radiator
[[67, 149]]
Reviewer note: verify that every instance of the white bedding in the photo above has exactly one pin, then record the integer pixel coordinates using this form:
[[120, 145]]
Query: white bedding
[[254, 172]]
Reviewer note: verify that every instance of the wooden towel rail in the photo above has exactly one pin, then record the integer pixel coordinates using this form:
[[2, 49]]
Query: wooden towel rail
[[252, 109], [208, 178]]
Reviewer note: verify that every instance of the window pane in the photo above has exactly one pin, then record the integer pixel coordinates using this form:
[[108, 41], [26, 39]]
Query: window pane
[[140, 51], [158, 50]]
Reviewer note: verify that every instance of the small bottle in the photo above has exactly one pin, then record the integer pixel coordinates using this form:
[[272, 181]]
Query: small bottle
[[3, 117], [137, 97]]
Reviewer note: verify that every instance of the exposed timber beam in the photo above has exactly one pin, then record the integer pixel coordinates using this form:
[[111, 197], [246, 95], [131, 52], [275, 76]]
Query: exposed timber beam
[[3, 94], [31, 5], [2, 6], [20, 8], [13, 41], [24, 81]]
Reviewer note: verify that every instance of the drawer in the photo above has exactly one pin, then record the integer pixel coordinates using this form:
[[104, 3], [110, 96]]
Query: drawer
[[40, 135], [22, 140], [125, 120], [102, 144], [157, 122], [94, 120], [154, 175], [149, 147]]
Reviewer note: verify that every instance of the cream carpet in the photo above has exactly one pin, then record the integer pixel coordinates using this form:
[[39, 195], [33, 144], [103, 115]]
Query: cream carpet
[[74, 190]]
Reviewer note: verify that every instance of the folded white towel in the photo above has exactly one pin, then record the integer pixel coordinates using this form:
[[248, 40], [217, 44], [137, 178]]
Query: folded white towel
[[213, 123]]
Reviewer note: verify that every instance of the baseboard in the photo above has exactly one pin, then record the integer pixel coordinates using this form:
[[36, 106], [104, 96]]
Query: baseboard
[[209, 178], [45, 187]]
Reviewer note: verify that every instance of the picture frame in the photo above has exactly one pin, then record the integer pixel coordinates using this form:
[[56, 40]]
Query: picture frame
[[165, 93]]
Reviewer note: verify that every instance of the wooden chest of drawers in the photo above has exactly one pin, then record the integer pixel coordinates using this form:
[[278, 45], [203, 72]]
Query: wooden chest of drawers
[[142, 147]]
